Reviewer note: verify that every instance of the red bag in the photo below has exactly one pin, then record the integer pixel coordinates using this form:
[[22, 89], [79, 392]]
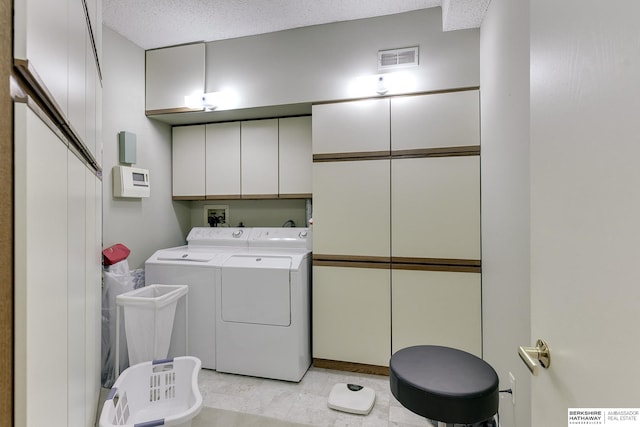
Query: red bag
[[115, 253]]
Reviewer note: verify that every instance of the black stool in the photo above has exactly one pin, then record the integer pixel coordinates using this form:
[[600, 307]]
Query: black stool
[[444, 384]]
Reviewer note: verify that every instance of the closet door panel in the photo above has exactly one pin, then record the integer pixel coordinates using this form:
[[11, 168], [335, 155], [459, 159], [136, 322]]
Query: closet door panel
[[42, 37], [351, 315], [351, 208], [41, 275], [436, 120], [76, 288], [436, 207], [357, 126], [173, 73], [93, 299], [436, 308]]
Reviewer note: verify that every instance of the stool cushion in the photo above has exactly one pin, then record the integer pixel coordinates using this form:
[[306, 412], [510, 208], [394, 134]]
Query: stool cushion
[[444, 384]]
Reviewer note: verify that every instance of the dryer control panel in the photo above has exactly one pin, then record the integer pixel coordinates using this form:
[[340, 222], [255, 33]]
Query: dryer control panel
[[280, 237], [218, 236]]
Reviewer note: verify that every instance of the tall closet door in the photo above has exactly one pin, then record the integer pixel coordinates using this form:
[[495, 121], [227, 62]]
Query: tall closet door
[[436, 308], [40, 273], [351, 208], [436, 207], [93, 295], [76, 288], [223, 160], [351, 315]]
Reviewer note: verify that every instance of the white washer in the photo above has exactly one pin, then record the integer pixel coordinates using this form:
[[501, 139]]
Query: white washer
[[195, 265], [263, 306]]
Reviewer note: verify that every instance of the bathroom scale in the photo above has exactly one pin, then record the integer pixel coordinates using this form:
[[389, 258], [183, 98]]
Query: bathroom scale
[[352, 398]]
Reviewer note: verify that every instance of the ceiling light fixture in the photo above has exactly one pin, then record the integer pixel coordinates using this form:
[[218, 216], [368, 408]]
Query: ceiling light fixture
[[205, 101]]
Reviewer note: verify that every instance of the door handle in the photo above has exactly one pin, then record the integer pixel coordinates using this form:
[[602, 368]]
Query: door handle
[[540, 355]]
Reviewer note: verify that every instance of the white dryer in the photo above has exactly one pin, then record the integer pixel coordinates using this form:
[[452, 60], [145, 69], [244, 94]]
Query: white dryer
[[263, 306], [195, 265]]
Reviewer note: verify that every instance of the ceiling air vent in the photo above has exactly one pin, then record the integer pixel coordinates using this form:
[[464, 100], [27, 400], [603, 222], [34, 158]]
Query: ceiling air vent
[[397, 58]]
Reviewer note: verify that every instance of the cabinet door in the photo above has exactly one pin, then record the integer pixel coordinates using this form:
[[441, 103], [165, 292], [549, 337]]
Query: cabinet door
[[436, 207], [188, 159], [259, 154], [351, 127], [437, 120], [93, 281], [295, 157], [438, 308], [76, 289], [173, 73], [351, 208], [223, 160], [41, 274], [41, 36], [351, 315]]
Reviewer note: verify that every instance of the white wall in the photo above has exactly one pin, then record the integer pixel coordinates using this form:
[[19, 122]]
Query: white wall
[[321, 62], [254, 213], [143, 225], [504, 82]]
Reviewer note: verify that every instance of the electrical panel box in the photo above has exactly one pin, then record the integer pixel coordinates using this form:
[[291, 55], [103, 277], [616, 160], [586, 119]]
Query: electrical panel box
[[130, 182], [127, 147]]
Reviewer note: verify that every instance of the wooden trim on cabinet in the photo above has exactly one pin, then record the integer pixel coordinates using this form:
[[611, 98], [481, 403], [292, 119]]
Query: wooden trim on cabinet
[[6, 217], [467, 150], [399, 263], [258, 196], [454, 151], [437, 267], [436, 261], [431, 92], [173, 110], [352, 156], [360, 368], [222, 197], [351, 261], [188, 197], [295, 196], [36, 93]]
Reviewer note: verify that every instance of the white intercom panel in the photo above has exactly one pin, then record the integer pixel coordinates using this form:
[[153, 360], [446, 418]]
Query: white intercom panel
[[130, 182]]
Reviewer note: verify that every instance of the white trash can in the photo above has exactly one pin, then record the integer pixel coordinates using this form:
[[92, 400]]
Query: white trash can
[[149, 314]]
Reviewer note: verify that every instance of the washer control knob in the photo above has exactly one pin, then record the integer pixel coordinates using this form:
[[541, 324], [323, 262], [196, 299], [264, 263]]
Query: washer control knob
[[302, 234], [237, 233]]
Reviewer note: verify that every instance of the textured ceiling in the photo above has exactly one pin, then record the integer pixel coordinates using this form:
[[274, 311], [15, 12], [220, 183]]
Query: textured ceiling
[[158, 23]]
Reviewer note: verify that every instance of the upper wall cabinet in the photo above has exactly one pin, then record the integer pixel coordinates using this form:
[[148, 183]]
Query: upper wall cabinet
[[188, 160], [254, 159], [259, 154], [171, 74], [223, 160], [433, 121], [295, 158], [351, 127]]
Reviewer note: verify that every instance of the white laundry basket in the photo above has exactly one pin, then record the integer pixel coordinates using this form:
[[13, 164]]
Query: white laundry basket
[[149, 313], [155, 393]]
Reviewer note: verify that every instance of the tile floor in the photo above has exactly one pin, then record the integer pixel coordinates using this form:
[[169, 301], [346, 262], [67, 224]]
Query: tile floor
[[304, 402]]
